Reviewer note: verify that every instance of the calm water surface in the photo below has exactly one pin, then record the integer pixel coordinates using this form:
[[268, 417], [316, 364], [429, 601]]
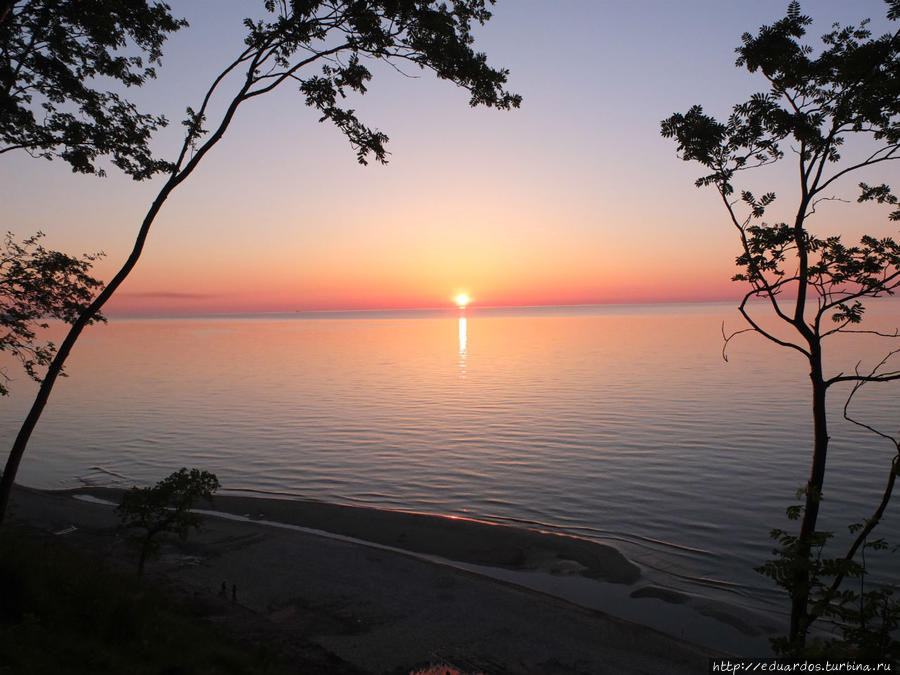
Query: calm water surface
[[620, 424]]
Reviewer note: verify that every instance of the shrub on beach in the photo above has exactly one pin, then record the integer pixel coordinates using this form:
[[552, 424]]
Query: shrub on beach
[[165, 508]]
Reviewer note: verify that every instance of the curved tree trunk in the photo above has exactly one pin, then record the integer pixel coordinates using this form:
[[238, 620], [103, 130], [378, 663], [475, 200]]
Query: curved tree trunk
[[56, 366]]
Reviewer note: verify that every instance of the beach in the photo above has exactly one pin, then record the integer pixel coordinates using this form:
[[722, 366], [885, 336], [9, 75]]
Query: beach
[[401, 600]]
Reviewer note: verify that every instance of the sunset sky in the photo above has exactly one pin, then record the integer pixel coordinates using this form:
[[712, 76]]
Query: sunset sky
[[573, 199]]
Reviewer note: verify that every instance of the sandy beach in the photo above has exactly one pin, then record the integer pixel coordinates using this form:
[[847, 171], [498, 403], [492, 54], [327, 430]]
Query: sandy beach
[[384, 592]]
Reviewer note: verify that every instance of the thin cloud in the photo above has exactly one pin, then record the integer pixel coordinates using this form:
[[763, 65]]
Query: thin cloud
[[170, 295]]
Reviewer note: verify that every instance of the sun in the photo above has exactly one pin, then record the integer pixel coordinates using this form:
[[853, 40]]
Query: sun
[[462, 299]]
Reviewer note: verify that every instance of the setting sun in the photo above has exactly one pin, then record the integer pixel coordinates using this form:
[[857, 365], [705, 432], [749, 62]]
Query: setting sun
[[462, 299]]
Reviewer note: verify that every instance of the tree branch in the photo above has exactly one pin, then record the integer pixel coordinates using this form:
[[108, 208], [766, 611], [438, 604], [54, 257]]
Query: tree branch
[[756, 327], [869, 161]]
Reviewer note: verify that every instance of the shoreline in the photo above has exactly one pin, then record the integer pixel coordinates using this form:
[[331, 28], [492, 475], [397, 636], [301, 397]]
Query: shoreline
[[454, 538], [587, 574]]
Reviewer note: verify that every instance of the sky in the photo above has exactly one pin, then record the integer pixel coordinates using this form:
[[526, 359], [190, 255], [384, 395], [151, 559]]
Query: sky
[[572, 199]]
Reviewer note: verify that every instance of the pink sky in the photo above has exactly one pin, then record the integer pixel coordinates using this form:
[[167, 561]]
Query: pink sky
[[574, 199]]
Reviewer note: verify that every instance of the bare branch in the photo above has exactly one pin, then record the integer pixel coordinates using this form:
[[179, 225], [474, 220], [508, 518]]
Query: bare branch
[[756, 327], [856, 387], [870, 525], [815, 203], [399, 69], [290, 72], [887, 284], [860, 380], [869, 161], [188, 142], [728, 338], [895, 334]]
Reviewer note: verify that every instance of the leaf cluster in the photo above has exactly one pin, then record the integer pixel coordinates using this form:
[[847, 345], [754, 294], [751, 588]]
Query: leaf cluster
[[839, 275], [881, 194], [37, 285], [867, 619], [166, 506], [814, 100], [341, 38], [54, 58]]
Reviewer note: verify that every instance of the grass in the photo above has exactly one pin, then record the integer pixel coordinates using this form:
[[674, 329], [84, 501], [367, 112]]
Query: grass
[[63, 612]]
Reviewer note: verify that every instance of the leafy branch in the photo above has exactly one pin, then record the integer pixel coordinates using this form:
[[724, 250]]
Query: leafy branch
[[37, 285]]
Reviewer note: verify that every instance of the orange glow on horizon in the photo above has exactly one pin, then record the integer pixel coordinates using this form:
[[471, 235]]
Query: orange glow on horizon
[[370, 276]]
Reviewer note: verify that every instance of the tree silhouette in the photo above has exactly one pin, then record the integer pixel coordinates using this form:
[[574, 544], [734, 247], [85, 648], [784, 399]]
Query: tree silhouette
[[815, 287], [51, 55], [52, 52], [322, 47], [37, 285], [165, 508]]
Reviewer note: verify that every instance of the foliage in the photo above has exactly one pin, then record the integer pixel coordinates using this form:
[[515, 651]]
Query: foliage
[[63, 611], [165, 508], [342, 34], [814, 287], [866, 619], [322, 46], [37, 285], [52, 55]]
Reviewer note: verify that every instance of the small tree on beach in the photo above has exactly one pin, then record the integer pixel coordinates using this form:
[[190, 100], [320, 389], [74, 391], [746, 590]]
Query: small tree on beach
[[165, 508], [322, 47], [814, 287]]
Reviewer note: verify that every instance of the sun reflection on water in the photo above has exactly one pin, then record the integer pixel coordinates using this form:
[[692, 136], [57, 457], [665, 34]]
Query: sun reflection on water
[[462, 347]]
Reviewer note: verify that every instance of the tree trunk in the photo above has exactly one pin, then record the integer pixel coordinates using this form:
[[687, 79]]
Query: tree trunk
[[56, 366], [34, 414], [800, 594]]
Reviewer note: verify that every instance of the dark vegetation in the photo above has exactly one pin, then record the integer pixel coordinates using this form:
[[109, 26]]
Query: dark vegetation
[[63, 611], [37, 285], [165, 508], [834, 111], [54, 53]]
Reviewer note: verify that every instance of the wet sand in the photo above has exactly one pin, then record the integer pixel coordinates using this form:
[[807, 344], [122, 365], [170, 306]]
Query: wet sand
[[399, 601]]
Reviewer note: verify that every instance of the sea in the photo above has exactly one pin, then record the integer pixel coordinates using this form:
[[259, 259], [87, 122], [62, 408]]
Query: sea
[[623, 424]]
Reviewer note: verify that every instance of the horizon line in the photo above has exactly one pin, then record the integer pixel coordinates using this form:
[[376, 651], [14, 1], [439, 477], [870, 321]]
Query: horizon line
[[443, 308]]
